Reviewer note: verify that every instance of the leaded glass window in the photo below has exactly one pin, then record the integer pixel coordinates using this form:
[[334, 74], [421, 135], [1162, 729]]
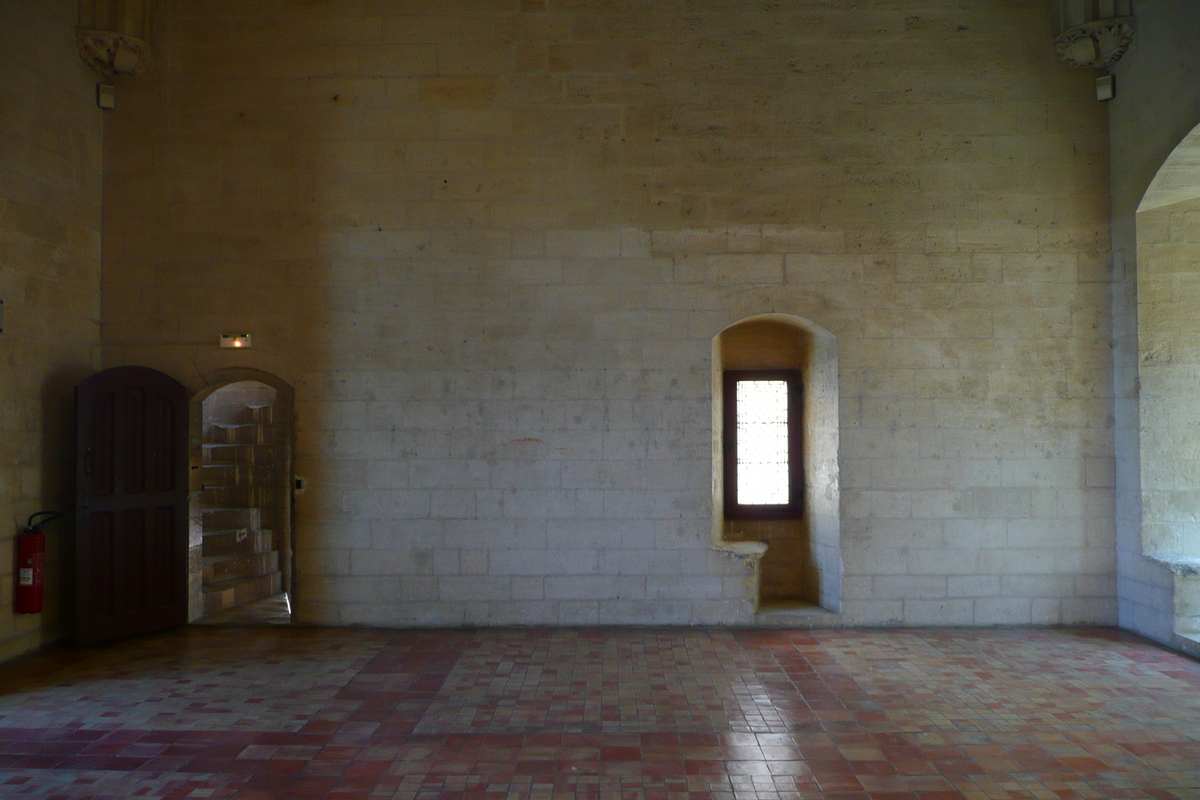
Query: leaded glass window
[[762, 444]]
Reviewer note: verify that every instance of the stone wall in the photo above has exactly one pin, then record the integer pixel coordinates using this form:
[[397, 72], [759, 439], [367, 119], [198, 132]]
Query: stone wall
[[490, 242], [1157, 104], [49, 281]]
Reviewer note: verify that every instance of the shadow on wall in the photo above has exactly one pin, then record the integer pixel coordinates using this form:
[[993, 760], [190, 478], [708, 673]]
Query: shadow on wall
[[1168, 290], [802, 559], [57, 459], [229, 227]]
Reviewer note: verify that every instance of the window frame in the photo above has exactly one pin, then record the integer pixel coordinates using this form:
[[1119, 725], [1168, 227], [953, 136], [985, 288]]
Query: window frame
[[794, 508]]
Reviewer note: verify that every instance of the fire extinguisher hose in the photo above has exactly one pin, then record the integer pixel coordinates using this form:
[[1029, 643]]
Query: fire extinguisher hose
[[50, 516]]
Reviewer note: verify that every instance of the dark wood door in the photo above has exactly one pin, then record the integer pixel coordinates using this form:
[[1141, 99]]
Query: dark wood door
[[131, 504]]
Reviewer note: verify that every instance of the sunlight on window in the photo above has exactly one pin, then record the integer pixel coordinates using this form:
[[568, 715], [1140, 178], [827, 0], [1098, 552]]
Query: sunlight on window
[[762, 443]]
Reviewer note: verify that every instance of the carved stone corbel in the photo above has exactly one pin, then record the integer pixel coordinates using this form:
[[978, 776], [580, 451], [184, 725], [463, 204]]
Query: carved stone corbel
[[114, 35], [1098, 44], [109, 53]]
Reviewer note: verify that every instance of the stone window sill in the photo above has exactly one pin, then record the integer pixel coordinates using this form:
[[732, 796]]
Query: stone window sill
[[1180, 565], [742, 549]]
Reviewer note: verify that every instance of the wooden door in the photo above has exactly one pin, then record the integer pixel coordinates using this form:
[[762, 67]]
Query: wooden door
[[131, 504]]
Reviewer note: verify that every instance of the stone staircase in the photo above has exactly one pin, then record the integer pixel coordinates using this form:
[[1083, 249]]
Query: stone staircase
[[240, 509]]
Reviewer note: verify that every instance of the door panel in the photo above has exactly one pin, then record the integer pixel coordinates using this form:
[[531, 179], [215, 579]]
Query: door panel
[[131, 504]]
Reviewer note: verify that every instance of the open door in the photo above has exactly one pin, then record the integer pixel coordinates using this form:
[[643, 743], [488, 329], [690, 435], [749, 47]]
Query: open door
[[131, 504]]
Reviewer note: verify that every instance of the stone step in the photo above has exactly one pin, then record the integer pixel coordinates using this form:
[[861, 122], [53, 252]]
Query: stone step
[[235, 542], [238, 434], [222, 519], [238, 496], [242, 565], [273, 610], [215, 475], [236, 591], [256, 415], [237, 453]]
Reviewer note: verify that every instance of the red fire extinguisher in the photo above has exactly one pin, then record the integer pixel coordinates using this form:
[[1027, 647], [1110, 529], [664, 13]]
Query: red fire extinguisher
[[31, 551]]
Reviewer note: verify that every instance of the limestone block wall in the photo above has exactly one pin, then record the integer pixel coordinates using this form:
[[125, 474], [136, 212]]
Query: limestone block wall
[[1157, 105], [50, 150], [490, 242]]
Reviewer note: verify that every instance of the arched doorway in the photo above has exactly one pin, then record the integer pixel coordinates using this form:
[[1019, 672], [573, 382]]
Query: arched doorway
[[241, 548], [799, 551], [1168, 290]]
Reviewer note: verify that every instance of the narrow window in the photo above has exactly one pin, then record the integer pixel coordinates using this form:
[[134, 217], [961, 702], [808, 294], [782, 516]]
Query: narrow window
[[763, 479]]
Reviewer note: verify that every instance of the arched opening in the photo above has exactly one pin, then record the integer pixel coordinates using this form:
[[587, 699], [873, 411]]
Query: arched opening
[[1168, 286], [241, 548], [798, 553]]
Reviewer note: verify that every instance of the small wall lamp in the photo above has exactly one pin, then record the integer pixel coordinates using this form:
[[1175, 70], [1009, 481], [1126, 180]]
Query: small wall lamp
[[236, 340]]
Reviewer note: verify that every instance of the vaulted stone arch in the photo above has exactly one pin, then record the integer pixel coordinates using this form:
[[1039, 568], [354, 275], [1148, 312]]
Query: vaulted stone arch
[[1168, 283], [1178, 179]]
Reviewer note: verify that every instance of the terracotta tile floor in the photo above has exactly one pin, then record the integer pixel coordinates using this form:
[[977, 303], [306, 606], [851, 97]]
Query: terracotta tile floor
[[660, 714]]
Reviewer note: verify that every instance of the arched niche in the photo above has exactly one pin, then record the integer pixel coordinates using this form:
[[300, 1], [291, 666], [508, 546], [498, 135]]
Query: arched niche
[[799, 560], [1168, 291], [211, 399]]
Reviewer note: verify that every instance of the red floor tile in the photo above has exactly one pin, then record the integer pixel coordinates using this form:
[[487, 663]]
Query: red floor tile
[[608, 715]]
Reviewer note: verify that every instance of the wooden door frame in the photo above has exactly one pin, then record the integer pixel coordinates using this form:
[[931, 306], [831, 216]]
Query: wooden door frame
[[285, 418]]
